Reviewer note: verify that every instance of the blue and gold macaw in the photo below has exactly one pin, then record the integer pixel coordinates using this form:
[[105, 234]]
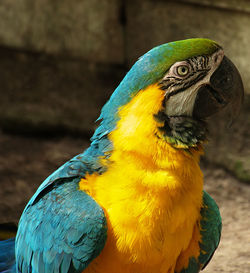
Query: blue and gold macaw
[[133, 202]]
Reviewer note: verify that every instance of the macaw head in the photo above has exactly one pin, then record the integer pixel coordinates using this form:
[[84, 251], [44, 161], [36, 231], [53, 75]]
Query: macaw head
[[180, 84]]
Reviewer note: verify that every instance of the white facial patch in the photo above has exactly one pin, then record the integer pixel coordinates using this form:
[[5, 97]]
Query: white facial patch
[[182, 103]]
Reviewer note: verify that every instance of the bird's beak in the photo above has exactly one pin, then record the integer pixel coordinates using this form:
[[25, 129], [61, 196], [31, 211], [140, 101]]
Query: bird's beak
[[225, 87]]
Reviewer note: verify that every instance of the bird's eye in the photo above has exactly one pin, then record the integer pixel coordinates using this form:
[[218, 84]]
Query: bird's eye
[[182, 70]]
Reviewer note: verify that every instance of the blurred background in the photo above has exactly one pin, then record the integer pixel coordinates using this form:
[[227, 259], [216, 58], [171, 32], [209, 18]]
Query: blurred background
[[61, 59]]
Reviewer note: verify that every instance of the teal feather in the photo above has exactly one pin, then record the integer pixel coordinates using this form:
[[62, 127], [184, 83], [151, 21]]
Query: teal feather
[[210, 235], [211, 226], [75, 245], [7, 256], [193, 266]]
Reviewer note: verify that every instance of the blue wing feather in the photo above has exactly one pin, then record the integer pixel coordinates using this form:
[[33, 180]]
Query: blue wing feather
[[7, 256], [210, 235], [211, 226], [62, 229]]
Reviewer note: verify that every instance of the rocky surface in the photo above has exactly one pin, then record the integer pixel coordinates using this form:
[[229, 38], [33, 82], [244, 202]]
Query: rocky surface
[[233, 198], [42, 93], [90, 30]]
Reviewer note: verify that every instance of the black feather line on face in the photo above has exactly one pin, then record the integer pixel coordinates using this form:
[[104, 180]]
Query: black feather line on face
[[184, 86]]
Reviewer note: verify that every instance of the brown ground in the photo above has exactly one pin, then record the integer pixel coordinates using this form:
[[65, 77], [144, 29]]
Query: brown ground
[[233, 198], [25, 162]]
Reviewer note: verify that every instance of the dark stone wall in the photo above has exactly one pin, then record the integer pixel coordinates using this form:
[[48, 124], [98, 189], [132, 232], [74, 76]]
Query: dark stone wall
[[43, 93]]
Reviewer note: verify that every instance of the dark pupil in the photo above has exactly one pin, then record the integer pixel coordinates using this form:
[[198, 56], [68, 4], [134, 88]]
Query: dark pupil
[[183, 70]]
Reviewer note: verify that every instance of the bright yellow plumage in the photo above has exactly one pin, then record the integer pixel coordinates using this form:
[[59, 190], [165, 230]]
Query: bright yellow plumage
[[151, 194]]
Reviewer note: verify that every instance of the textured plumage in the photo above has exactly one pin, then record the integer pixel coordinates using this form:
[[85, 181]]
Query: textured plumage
[[54, 217], [7, 256], [134, 200]]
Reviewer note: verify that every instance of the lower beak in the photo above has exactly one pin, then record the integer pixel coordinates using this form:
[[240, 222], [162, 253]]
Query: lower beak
[[225, 88]]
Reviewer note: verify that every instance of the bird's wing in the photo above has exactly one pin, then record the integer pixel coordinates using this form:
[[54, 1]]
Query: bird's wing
[[210, 229], [7, 256], [62, 229]]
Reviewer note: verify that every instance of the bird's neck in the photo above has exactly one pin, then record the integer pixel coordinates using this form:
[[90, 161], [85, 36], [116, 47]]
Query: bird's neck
[[138, 151], [139, 130]]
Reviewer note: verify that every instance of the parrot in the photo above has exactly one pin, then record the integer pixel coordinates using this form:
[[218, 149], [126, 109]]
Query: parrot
[[133, 201]]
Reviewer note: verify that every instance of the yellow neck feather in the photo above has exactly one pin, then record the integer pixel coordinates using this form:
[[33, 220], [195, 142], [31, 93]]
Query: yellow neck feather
[[135, 138]]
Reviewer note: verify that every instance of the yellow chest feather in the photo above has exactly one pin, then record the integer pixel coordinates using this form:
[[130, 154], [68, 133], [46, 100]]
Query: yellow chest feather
[[151, 194]]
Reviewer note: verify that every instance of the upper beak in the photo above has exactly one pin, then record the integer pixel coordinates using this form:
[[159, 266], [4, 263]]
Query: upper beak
[[225, 88]]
